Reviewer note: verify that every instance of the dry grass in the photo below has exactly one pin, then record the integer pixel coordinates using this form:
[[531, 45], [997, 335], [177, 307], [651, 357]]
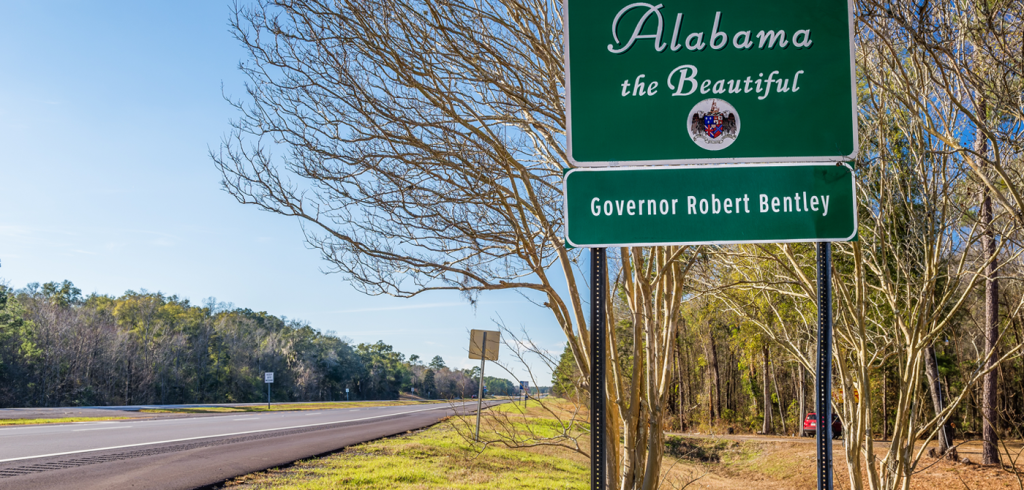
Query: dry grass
[[757, 465]]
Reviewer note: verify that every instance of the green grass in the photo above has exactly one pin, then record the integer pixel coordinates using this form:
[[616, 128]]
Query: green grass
[[64, 420], [518, 405], [436, 458]]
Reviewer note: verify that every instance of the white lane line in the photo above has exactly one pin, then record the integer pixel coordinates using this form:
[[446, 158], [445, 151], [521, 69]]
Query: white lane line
[[212, 436], [5, 430], [103, 428], [253, 418]]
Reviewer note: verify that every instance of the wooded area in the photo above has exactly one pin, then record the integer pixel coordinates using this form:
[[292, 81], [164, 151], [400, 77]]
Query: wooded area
[[726, 373], [60, 348]]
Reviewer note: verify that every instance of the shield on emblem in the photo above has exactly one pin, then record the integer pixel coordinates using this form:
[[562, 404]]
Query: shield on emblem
[[713, 128], [713, 125]]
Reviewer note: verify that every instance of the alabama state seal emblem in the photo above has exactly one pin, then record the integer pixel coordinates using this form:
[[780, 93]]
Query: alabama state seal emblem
[[713, 124]]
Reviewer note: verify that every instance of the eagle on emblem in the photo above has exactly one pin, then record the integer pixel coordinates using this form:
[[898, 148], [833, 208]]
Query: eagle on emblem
[[697, 124], [729, 124]]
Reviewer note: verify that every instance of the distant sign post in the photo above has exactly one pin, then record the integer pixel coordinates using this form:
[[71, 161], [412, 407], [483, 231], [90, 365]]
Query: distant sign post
[[483, 345], [268, 378], [677, 83]]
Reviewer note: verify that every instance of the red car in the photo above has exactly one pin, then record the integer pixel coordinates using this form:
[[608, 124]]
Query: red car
[[811, 425]]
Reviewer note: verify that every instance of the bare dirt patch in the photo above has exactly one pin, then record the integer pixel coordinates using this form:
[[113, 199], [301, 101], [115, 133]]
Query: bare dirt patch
[[769, 463]]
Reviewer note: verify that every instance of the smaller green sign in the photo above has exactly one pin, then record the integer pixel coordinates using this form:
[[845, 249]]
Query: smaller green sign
[[717, 204]]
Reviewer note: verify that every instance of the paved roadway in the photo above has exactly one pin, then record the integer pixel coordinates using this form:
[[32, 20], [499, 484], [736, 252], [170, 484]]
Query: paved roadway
[[193, 452]]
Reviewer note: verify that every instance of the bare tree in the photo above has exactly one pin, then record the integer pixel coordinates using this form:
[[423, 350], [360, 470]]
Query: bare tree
[[422, 148], [653, 283]]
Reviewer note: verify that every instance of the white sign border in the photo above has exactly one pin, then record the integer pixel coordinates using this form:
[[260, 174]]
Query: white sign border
[[565, 206], [694, 161]]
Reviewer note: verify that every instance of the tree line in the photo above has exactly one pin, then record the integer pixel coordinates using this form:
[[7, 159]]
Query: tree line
[[61, 348]]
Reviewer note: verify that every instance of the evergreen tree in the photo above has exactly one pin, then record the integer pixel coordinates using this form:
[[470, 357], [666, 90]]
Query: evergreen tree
[[429, 390], [437, 363], [566, 378]]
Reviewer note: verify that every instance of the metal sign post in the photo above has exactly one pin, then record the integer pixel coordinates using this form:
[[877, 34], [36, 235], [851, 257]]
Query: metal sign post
[[598, 263], [480, 391], [268, 378], [483, 345], [346, 394], [823, 376]]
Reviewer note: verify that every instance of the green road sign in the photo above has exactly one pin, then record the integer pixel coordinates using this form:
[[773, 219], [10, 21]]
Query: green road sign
[[703, 82], [717, 204]]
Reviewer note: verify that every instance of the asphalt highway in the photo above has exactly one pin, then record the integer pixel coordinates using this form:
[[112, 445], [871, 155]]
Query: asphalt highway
[[193, 452]]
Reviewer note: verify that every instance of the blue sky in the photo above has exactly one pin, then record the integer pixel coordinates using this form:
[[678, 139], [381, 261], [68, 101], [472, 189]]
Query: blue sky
[[107, 112]]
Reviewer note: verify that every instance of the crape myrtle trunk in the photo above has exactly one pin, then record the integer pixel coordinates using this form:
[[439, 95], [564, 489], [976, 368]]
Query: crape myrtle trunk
[[935, 388]]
